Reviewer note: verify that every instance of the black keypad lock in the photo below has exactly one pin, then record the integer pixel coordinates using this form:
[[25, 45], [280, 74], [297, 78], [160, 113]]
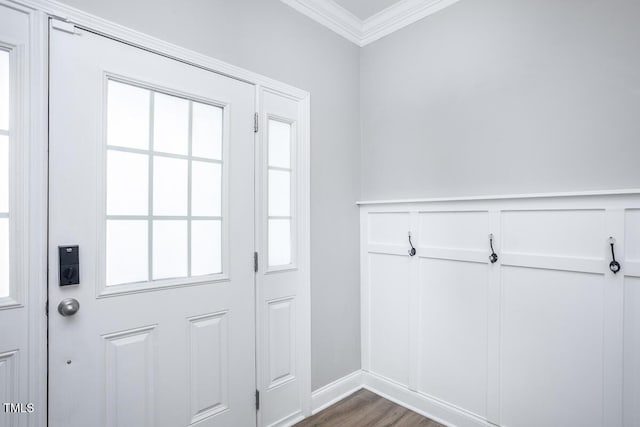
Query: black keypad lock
[[69, 257]]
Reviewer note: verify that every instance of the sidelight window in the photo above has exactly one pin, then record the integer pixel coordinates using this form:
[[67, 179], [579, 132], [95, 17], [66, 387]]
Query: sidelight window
[[279, 204]]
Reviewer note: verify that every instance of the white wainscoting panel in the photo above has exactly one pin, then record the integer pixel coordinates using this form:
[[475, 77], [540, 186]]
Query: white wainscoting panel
[[388, 228], [453, 332], [547, 335], [389, 316], [632, 231], [632, 351], [454, 230], [574, 233], [552, 347]]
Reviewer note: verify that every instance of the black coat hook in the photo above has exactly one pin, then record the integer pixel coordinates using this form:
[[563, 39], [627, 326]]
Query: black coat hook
[[412, 251], [493, 257], [613, 265]]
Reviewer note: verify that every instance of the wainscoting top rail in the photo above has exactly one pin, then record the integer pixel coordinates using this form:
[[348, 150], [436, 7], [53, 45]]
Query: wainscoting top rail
[[629, 191]]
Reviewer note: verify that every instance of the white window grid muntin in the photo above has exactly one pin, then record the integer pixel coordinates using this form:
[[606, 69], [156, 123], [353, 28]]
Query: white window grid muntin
[[18, 169], [103, 289], [293, 193]]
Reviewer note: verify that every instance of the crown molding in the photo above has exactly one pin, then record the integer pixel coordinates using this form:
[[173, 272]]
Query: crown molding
[[362, 32], [331, 15], [398, 16]]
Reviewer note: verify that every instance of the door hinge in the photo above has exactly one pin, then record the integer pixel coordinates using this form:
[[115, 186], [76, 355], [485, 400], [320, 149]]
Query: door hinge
[[257, 400], [46, 308], [255, 122], [255, 262]]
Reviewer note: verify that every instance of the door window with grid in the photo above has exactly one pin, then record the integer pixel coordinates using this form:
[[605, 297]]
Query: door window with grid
[[164, 179]]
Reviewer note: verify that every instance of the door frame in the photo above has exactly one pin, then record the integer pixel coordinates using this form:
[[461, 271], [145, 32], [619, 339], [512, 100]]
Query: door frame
[[40, 12], [31, 126]]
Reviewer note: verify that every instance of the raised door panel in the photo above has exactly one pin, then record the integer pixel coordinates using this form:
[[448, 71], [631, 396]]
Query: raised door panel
[[453, 333], [208, 369], [8, 378], [281, 353], [130, 371], [551, 370]]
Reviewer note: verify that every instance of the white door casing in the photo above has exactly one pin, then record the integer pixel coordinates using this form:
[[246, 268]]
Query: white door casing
[[173, 351], [282, 284]]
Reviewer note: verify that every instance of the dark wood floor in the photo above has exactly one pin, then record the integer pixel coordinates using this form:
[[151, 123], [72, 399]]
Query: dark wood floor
[[364, 408]]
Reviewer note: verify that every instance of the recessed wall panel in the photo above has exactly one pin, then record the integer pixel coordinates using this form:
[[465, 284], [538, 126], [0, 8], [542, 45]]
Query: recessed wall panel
[[389, 316], [551, 348], [632, 351], [388, 228], [130, 371], [281, 315], [573, 233], [632, 234], [208, 356], [453, 332], [455, 230]]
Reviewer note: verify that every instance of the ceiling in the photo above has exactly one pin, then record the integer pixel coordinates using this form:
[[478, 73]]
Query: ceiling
[[363, 9]]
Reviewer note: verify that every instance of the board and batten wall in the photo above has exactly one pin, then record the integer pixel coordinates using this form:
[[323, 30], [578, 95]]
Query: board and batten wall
[[503, 97], [547, 335], [270, 38]]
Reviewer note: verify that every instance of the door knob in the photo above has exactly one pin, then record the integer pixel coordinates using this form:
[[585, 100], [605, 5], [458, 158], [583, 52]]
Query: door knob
[[68, 307]]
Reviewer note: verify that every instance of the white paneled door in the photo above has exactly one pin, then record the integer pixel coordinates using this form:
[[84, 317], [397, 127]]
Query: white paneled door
[[152, 227]]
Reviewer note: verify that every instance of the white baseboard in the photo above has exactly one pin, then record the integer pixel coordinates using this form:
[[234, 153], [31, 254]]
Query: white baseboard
[[335, 391], [289, 420], [433, 409]]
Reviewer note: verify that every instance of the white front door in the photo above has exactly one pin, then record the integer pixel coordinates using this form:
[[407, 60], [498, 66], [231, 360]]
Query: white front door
[[151, 183]]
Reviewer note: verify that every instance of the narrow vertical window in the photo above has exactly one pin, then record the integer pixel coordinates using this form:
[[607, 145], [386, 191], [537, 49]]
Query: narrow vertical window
[[164, 186], [4, 174], [279, 177]]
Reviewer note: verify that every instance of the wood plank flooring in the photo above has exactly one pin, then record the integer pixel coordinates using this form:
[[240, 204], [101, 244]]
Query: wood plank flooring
[[366, 409]]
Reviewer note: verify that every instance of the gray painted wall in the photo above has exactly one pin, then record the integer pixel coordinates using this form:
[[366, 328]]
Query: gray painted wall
[[481, 98], [272, 39], [503, 97]]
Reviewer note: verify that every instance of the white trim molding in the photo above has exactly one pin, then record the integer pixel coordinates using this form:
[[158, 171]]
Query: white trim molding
[[333, 392], [629, 191], [362, 32], [440, 412], [98, 25], [433, 409]]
